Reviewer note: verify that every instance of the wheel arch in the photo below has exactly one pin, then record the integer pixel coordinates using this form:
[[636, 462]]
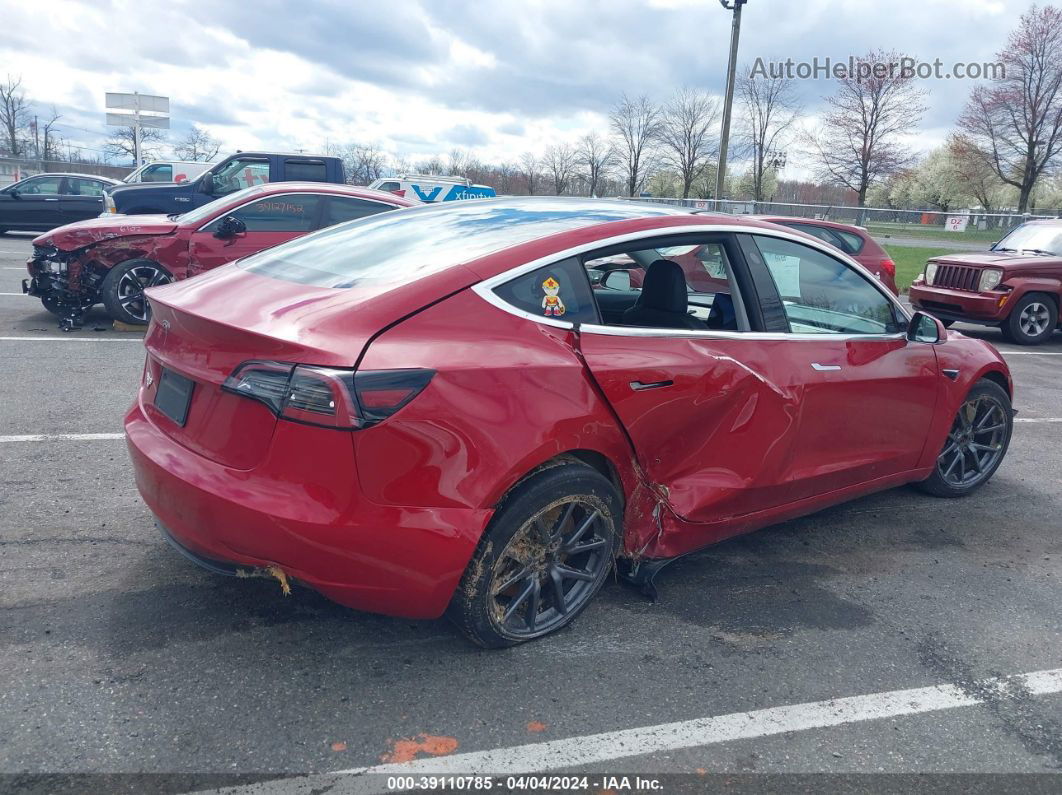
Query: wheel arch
[[999, 377]]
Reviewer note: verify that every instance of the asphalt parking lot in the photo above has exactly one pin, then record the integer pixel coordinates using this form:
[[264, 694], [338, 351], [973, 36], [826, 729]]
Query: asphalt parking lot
[[119, 656]]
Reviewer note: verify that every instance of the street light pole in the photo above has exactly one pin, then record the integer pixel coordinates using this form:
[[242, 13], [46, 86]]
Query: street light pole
[[728, 102]]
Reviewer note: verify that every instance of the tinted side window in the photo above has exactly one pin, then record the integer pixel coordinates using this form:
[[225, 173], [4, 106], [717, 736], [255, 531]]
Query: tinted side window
[[823, 234], [341, 208], [822, 294], [42, 186], [163, 172], [558, 291], [291, 213], [239, 174], [84, 187], [305, 171], [853, 242]]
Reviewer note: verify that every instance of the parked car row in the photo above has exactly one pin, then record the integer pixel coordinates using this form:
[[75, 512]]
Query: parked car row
[[113, 259]]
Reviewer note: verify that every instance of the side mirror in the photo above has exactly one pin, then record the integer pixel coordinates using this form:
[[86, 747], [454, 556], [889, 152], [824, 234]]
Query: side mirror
[[206, 184], [617, 280], [230, 226], [15, 194], [926, 328]]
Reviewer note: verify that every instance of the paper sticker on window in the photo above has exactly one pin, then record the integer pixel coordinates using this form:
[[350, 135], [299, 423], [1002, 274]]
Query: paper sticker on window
[[786, 273], [552, 303]]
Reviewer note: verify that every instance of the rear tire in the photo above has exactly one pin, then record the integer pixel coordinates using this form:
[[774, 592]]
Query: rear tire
[[1032, 320], [976, 444], [122, 291], [544, 556]]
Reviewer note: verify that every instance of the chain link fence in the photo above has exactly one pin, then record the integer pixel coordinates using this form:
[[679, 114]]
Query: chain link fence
[[13, 169], [964, 224]]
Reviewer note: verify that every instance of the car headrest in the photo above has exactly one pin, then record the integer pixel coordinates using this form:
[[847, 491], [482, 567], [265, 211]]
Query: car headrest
[[664, 287]]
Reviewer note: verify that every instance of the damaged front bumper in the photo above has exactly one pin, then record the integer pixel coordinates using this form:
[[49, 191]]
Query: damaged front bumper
[[65, 288]]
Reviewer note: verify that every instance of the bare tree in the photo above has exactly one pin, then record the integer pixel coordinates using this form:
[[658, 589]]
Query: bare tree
[[687, 134], [974, 174], [120, 144], [560, 163], [363, 163], [861, 138], [433, 166], [14, 113], [529, 171], [197, 145], [635, 124], [1015, 124], [595, 155], [769, 109]]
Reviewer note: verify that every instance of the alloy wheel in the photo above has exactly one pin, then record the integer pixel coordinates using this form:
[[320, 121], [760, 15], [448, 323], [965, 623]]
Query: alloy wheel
[[132, 285], [976, 442], [550, 568], [1034, 319]]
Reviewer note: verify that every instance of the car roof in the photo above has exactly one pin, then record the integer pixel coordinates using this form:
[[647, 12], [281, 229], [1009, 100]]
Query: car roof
[[273, 188], [71, 174], [775, 219]]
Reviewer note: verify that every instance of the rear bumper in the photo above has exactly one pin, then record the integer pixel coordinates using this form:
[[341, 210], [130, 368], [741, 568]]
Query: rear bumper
[[983, 308], [394, 560]]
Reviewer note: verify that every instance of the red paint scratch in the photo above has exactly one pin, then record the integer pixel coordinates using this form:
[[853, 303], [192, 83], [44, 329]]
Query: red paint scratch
[[536, 726]]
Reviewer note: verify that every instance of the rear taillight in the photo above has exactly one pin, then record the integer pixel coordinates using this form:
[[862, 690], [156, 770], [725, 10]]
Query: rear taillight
[[888, 266], [324, 396]]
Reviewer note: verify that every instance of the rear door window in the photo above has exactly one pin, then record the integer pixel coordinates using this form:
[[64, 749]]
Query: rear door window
[[305, 171], [560, 291], [84, 187], [339, 209], [294, 212]]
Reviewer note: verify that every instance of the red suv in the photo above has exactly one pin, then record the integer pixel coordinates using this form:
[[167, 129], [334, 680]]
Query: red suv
[[114, 258], [1016, 286], [433, 410]]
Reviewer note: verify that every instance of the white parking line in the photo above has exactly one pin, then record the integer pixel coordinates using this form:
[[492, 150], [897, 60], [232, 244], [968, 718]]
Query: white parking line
[[1038, 419], [72, 339], [1031, 353], [579, 752], [62, 437]]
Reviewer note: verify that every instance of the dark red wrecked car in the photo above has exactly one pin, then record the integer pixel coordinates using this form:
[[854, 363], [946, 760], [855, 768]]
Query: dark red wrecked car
[[433, 411], [113, 259]]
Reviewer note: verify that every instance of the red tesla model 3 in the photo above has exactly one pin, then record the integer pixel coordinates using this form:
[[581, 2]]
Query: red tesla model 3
[[434, 411]]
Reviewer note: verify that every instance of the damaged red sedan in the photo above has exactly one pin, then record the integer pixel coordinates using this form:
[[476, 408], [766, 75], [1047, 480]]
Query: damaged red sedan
[[434, 411], [113, 259]]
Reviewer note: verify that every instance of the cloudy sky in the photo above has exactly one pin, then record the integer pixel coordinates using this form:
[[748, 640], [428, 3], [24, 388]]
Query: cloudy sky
[[421, 77]]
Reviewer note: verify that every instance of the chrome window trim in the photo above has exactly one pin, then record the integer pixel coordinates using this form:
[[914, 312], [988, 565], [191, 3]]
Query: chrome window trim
[[295, 193], [485, 288]]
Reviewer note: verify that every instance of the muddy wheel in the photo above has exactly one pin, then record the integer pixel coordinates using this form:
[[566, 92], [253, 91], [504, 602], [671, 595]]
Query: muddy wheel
[[1032, 320], [976, 444], [544, 556], [122, 291]]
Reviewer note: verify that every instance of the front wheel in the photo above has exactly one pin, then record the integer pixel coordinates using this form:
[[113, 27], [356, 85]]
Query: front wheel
[[122, 291], [1032, 320], [978, 440], [544, 556]]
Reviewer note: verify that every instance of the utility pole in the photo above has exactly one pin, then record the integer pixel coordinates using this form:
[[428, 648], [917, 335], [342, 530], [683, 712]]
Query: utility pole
[[728, 102]]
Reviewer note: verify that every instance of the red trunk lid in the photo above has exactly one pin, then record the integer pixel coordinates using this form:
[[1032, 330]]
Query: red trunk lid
[[204, 328]]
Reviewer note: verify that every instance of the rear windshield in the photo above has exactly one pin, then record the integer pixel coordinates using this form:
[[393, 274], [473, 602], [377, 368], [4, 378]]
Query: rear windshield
[[399, 247]]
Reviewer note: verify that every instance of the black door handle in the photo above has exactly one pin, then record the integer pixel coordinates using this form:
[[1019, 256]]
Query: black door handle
[[638, 386]]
